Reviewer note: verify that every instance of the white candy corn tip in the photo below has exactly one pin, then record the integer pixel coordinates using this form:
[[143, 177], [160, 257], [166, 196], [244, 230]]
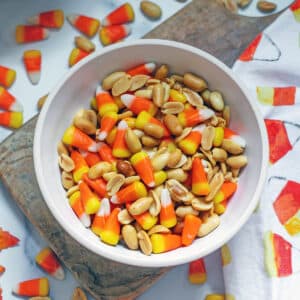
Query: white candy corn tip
[[85, 219], [122, 125], [34, 77], [206, 113], [59, 274], [104, 209], [45, 33], [106, 22], [127, 100], [200, 128], [151, 184], [100, 90], [127, 29], [34, 20], [239, 140], [17, 106], [16, 289], [150, 66], [93, 148], [102, 136], [165, 197], [72, 18], [114, 199]]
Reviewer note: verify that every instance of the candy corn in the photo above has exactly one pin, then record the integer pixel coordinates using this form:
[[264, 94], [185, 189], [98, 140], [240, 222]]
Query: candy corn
[[191, 142], [227, 190], [190, 229], [160, 177], [33, 287], [112, 34], [87, 25], [48, 261], [215, 297], [11, 119], [167, 214], [219, 136], [249, 52], [142, 165], [108, 121], [177, 96], [138, 104], [144, 117], [200, 185], [81, 166], [191, 116], [32, 61], [97, 185], [225, 255], [276, 96], [91, 158], [130, 193], [8, 101], [105, 152], [77, 206], [101, 217], [90, 201], [197, 271], [77, 138], [110, 234], [120, 148], [30, 33], [145, 69], [76, 55], [234, 137], [7, 76], [7, 240], [51, 19], [105, 102], [2, 269], [295, 8], [165, 242], [120, 15]]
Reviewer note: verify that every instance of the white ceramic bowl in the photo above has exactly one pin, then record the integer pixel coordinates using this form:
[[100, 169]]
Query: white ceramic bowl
[[75, 90]]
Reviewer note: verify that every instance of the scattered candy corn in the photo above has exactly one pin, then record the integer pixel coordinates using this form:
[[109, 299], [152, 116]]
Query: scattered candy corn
[[77, 206], [130, 193], [191, 116], [101, 217], [81, 166], [8, 101], [200, 185], [32, 61], [145, 69], [90, 201], [87, 25], [51, 19], [167, 214], [75, 137], [120, 15], [33, 287], [11, 119], [7, 76], [215, 297], [197, 271], [30, 33], [142, 164], [111, 231], [138, 104], [7, 240], [48, 261], [112, 34], [165, 242], [76, 55]]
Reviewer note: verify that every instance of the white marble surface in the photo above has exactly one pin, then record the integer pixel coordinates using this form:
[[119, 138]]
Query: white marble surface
[[19, 261]]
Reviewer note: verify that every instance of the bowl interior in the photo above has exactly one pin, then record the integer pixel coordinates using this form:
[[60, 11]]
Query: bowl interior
[[75, 92]]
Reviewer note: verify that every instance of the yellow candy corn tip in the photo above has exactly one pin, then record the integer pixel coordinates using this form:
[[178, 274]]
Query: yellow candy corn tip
[[137, 157], [77, 175], [10, 77], [149, 222], [197, 278], [215, 297], [109, 237], [32, 53], [42, 255], [68, 135], [94, 27], [219, 135], [121, 153], [59, 18], [219, 197], [16, 120], [182, 119], [73, 57], [169, 223], [43, 287], [108, 107], [97, 230], [160, 177], [140, 189], [142, 119], [177, 96], [19, 34], [112, 114], [201, 189], [158, 243], [187, 147], [73, 198], [104, 37], [219, 208], [92, 206], [111, 136], [93, 103], [130, 12]]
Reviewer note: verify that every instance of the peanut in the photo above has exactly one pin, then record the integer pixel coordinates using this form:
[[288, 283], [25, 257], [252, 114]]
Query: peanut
[[173, 124], [130, 237], [194, 82], [141, 205], [154, 130], [110, 80], [132, 141], [125, 168]]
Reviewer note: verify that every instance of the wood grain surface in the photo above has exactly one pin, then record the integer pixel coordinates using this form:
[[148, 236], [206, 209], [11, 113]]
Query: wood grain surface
[[203, 24]]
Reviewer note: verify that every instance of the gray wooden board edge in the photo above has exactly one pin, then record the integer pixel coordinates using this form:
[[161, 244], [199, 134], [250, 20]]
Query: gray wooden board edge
[[203, 24]]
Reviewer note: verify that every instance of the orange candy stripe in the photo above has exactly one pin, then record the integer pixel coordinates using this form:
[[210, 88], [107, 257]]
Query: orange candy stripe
[[7, 76], [6, 99], [120, 15], [33, 287], [32, 60], [77, 55], [200, 184], [197, 271], [190, 229], [87, 25], [51, 19], [7, 240], [97, 185], [112, 34], [105, 153], [30, 33]]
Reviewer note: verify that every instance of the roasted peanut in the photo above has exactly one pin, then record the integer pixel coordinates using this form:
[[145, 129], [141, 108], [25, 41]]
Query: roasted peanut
[[160, 161], [84, 125], [121, 86], [237, 162], [266, 6], [208, 136], [177, 174], [110, 80], [182, 211], [154, 130], [149, 141], [172, 107], [193, 98], [173, 124], [138, 81], [215, 185], [232, 147], [66, 162], [141, 205], [97, 170], [219, 154], [132, 141], [174, 158], [114, 184], [125, 168], [158, 95], [84, 44], [155, 207], [67, 180], [194, 82], [158, 229], [211, 223], [150, 9], [216, 101], [144, 94], [124, 217], [162, 72], [130, 237], [144, 242]]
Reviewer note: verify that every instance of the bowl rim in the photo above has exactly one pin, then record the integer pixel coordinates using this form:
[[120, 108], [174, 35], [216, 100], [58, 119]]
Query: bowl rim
[[127, 259]]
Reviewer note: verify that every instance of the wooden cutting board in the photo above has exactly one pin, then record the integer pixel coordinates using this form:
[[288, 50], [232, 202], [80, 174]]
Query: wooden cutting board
[[203, 24]]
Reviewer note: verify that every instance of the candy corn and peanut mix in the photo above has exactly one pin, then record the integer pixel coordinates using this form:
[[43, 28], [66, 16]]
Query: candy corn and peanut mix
[[153, 164]]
